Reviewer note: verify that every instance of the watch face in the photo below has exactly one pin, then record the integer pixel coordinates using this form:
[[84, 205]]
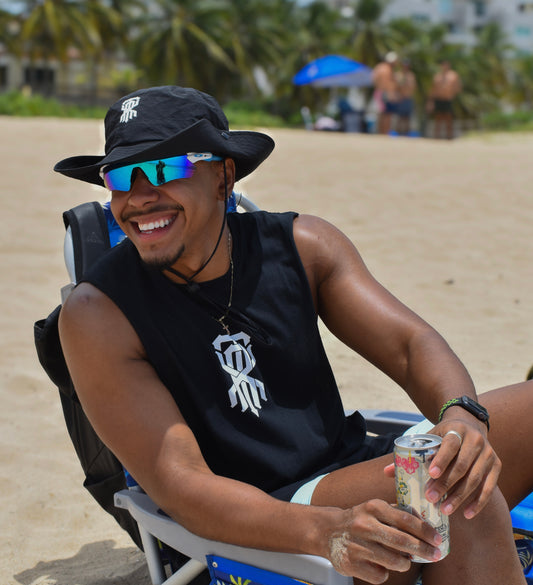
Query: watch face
[[475, 408]]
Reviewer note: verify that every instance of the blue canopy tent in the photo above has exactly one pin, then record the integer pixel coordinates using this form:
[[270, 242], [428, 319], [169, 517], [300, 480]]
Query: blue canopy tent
[[334, 71]]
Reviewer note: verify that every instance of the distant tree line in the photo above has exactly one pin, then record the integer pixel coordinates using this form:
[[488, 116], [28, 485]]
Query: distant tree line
[[238, 49]]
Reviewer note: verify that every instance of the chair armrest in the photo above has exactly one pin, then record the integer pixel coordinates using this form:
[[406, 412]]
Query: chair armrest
[[380, 422], [309, 568]]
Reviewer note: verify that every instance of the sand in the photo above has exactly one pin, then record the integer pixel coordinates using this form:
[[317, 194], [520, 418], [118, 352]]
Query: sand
[[446, 226]]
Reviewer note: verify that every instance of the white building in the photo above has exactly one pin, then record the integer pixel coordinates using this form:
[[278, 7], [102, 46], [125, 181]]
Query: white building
[[464, 17]]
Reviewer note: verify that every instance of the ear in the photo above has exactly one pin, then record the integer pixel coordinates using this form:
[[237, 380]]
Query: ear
[[228, 177]]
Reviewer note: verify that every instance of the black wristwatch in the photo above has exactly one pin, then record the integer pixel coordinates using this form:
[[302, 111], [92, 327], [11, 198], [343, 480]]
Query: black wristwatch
[[473, 407]]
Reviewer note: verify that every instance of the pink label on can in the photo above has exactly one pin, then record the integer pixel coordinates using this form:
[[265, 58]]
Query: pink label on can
[[408, 463]]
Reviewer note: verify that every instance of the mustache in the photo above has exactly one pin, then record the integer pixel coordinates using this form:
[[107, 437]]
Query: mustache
[[129, 215]]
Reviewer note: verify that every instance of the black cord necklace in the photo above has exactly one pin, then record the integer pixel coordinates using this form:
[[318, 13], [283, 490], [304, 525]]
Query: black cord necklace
[[222, 319], [191, 285]]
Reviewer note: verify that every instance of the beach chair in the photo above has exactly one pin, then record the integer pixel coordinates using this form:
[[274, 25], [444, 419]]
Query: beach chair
[[158, 532], [174, 555]]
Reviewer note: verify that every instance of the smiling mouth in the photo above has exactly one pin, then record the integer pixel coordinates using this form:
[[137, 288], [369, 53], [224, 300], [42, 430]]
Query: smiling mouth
[[151, 226]]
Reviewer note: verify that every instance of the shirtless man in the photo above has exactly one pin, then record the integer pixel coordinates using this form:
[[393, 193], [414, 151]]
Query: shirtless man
[[406, 83], [196, 354], [446, 86], [385, 84]]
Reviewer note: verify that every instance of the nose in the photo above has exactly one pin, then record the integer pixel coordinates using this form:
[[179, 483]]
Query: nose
[[142, 192]]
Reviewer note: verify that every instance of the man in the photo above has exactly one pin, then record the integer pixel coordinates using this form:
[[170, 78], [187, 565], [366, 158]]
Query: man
[[406, 82], [387, 90], [446, 86], [195, 351]]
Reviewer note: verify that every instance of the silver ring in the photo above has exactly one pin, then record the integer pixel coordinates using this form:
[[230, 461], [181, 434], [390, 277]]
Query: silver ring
[[456, 434]]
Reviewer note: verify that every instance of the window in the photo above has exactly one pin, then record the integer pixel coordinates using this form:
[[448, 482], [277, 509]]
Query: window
[[522, 31], [480, 8], [3, 76], [40, 79]]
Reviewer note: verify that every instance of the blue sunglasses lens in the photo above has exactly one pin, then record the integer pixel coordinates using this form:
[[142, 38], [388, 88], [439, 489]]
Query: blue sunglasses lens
[[158, 172]]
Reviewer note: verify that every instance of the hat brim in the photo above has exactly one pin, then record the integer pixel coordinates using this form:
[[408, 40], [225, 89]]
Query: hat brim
[[247, 148]]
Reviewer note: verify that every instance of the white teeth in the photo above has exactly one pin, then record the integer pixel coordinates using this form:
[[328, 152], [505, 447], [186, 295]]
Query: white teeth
[[148, 227]]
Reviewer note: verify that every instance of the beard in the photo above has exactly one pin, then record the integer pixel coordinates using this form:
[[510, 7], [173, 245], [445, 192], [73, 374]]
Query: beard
[[163, 262]]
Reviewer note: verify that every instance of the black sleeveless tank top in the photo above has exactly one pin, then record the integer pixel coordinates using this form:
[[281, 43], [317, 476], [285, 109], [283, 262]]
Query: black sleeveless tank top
[[262, 402]]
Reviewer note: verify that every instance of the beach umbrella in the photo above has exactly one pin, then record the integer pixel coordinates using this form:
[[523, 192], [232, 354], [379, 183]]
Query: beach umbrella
[[334, 71]]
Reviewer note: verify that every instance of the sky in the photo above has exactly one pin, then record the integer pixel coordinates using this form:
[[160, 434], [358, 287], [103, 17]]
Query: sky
[[11, 5]]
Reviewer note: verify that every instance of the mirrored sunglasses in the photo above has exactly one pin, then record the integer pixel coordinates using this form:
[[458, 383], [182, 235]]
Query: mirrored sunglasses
[[158, 172]]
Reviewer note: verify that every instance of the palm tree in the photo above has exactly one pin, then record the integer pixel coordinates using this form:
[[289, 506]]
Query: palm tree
[[485, 72], [174, 42], [522, 82], [370, 35], [52, 28], [106, 34], [314, 30], [10, 27], [253, 37]]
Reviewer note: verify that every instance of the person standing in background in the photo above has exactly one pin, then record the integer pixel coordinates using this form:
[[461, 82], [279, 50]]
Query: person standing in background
[[406, 83], [446, 86], [386, 87]]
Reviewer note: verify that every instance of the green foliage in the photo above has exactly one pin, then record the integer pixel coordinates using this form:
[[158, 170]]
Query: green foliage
[[15, 103], [244, 113], [512, 122], [251, 113], [234, 49]]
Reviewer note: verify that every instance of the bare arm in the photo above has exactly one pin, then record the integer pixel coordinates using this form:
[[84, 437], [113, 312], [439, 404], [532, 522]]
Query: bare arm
[[137, 418], [370, 320], [365, 316]]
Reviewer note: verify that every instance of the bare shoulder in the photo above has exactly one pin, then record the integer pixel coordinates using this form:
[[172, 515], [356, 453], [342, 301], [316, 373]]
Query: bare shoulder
[[324, 249], [314, 228], [83, 298], [316, 236], [86, 306], [90, 319]]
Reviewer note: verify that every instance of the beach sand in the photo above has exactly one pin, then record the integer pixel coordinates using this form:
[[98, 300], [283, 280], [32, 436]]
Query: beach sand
[[446, 226]]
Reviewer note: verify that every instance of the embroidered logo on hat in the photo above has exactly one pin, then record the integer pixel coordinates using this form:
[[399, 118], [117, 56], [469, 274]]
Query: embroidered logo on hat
[[128, 109]]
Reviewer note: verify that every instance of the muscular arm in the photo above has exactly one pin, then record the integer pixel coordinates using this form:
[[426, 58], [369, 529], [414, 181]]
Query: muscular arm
[[362, 314], [137, 418], [370, 320]]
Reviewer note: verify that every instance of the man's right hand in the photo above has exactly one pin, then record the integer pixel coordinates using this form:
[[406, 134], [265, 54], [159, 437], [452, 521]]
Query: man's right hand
[[377, 538]]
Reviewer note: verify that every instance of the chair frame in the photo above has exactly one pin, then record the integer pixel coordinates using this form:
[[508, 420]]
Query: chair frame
[[155, 525]]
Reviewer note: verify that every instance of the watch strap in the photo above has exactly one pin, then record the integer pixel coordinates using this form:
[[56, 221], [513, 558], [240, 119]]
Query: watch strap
[[460, 402], [446, 405]]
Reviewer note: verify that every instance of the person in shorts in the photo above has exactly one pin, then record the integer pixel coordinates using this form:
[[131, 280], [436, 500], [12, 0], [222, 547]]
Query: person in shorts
[[196, 354]]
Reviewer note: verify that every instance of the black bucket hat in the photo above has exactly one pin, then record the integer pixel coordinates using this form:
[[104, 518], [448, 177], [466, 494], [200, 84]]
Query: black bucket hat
[[160, 122]]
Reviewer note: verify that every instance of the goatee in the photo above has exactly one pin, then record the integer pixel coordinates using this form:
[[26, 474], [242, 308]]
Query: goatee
[[163, 263]]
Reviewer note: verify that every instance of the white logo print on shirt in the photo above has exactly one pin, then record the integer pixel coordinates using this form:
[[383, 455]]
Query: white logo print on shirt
[[236, 358], [128, 109]]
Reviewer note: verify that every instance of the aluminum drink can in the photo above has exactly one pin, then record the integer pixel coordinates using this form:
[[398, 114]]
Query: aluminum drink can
[[412, 457]]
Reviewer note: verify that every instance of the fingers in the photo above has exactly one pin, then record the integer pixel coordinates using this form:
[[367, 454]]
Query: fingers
[[379, 538], [449, 449], [411, 535], [464, 472]]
